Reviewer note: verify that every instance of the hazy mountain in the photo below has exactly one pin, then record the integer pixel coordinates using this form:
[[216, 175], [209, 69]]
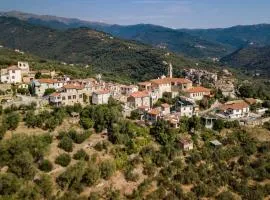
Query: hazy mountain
[[235, 37], [106, 54], [256, 59], [157, 36]]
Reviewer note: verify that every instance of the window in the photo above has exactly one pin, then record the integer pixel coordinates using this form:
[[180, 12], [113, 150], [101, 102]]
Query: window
[[81, 96], [74, 96], [13, 77], [13, 71], [63, 98], [69, 97]]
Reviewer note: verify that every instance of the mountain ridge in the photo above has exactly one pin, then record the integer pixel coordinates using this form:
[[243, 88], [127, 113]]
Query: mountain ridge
[[157, 36]]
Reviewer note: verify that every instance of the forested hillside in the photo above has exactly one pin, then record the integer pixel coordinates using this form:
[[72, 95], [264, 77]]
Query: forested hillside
[[235, 37], [105, 54], [157, 36], [255, 59]]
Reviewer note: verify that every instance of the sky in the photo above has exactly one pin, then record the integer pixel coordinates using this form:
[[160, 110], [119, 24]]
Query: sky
[[170, 13]]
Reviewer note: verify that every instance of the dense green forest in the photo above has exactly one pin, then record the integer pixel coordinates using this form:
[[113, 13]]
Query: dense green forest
[[158, 36], [103, 53], [252, 59]]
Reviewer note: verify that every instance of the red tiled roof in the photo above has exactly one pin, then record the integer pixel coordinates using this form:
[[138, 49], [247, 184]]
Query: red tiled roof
[[165, 105], [144, 83], [140, 94], [49, 81], [198, 89], [13, 68], [170, 80], [72, 86], [154, 112], [235, 106], [100, 92], [55, 94]]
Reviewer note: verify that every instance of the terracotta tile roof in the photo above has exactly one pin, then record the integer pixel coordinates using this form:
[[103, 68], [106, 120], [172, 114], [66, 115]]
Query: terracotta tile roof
[[235, 106], [13, 68], [165, 105], [100, 92], [140, 94], [144, 83], [154, 112], [170, 80], [72, 86], [251, 101], [55, 94], [198, 89], [49, 81]]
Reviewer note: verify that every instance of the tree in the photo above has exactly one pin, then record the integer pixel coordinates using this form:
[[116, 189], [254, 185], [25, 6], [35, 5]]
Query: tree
[[246, 91], [66, 144], [46, 166], [49, 91], [11, 121], [45, 185], [38, 75], [63, 159], [86, 123], [22, 166], [3, 131], [218, 125], [9, 184]]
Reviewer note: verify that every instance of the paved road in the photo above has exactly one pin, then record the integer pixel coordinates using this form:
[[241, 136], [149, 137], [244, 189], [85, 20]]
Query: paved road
[[214, 106]]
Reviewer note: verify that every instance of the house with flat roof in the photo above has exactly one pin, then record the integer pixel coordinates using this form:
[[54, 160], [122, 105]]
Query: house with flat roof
[[12, 74]]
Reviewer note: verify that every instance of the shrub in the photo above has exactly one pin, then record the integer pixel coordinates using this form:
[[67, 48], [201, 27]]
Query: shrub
[[63, 159], [107, 168], [22, 166], [86, 123], [66, 144], [45, 166], [81, 137], [91, 176], [9, 184], [81, 155], [12, 121], [130, 175], [149, 170], [3, 131]]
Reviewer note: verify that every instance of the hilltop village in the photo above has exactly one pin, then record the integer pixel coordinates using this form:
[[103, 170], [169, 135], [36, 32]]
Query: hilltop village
[[194, 137], [166, 97]]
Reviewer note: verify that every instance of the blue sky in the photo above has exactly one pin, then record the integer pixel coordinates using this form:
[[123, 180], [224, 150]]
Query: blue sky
[[171, 13]]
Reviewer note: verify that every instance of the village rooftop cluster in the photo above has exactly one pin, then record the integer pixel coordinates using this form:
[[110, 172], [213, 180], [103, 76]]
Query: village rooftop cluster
[[142, 98]]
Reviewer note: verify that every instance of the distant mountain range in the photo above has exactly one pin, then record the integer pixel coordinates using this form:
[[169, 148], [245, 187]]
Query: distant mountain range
[[196, 43], [115, 57], [231, 43], [235, 37], [255, 59], [158, 36]]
